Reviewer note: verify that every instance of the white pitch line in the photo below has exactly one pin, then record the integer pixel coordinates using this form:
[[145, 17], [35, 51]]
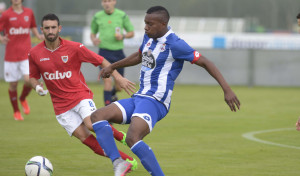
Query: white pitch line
[[251, 137]]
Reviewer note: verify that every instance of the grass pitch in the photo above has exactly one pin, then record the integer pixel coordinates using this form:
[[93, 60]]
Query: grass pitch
[[200, 135]]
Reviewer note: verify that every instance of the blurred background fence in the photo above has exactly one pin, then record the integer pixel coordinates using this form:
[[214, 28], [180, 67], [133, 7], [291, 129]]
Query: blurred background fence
[[254, 43]]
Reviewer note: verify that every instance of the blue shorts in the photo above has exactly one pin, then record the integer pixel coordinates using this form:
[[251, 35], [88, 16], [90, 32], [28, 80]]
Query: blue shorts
[[146, 108], [112, 57]]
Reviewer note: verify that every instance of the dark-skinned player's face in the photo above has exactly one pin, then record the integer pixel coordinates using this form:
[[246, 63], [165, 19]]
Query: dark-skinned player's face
[[50, 30], [154, 25]]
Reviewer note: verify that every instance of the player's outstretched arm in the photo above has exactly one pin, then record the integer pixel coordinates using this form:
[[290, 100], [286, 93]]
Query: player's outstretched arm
[[131, 60], [124, 83], [230, 97]]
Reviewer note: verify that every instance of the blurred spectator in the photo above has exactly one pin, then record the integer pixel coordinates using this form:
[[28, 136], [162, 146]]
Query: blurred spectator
[[16, 23]]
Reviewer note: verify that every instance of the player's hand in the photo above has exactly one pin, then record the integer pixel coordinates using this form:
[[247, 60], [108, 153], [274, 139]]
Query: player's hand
[[232, 101], [298, 124], [40, 90], [4, 39], [96, 41], [119, 37], [105, 72], [127, 85]]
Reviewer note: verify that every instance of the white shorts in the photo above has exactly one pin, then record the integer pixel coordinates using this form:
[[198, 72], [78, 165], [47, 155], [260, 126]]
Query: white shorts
[[71, 119], [13, 71]]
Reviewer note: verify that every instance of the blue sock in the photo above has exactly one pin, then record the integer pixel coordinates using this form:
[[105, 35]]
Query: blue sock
[[107, 97], [147, 157], [106, 139]]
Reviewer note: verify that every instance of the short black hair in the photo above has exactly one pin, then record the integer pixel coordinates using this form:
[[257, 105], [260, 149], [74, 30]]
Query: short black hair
[[11, 1], [50, 16], [161, 10], [298, 16]]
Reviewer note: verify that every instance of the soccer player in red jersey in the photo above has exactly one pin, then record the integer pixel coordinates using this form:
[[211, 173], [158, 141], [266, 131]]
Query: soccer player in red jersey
[[58, 61], [16, 23]]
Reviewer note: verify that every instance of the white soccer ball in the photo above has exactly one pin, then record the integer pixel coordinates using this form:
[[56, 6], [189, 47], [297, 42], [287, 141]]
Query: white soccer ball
[[38, 166]]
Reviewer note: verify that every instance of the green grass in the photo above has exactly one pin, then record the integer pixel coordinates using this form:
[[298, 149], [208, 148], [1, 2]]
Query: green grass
[[200, 135]]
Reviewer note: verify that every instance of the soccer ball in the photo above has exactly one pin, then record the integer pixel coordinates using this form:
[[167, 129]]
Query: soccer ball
[[38, 166]]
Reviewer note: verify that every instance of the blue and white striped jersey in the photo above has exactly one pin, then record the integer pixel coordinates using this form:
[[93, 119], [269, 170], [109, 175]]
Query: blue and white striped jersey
[[162, 61]]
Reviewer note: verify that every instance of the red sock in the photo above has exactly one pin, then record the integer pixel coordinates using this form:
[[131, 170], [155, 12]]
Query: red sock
[[13, 99], [25, 92], [117, 134], [124, 156], [93, 144]]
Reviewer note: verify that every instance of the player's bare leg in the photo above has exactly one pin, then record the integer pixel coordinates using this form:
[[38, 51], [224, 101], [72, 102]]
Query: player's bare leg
[[137, 130], [13, 86], [81, 132]]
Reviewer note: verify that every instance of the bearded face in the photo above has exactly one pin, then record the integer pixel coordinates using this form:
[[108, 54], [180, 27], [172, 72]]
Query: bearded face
[[51, 30]]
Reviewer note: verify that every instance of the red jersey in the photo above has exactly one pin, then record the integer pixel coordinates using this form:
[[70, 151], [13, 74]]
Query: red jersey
[[17, 27], [60, 70]]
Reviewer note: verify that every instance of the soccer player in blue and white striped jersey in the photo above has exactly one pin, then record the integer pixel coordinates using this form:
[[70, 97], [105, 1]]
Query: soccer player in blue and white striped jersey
[[162, 55]]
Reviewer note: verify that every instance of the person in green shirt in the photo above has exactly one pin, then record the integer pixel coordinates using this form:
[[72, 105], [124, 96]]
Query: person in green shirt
[[111, 24]]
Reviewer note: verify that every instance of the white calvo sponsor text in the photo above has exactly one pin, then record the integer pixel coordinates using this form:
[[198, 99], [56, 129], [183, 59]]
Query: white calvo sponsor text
[[57, 75], [18, 31]]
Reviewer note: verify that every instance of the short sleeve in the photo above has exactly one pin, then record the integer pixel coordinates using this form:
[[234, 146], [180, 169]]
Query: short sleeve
[[181, 50], [2, 21], [86, 55], [127, 24], [33, 22], [94, 25], [33, 69]]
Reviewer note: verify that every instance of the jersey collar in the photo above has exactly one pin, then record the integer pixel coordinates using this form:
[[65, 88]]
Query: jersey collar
[[60, 45], [166, 34]]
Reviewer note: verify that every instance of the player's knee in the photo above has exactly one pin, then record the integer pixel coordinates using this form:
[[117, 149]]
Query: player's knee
[[13, 86], [96, 116], [107, 81], [81, 132], [132, 139], [27, 83], [129, 141]]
